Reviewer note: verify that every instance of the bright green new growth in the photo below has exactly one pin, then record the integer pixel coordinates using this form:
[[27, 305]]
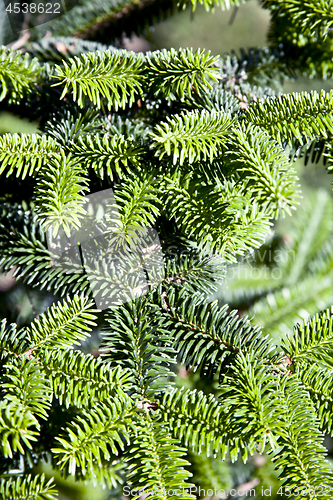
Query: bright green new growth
[[201, 149]]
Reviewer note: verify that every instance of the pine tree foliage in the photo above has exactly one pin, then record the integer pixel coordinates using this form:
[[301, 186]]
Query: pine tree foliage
[[309, 18], [28, 487], [283, 116], [17, 72], [24, 154], [105, 153], [103, 74], [207, 132], [200, 149], [161, 466]]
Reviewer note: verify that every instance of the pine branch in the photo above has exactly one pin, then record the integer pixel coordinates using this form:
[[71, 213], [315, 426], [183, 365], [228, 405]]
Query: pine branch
[[62, 325], [60, 195], [28, 487], [318, 382], [24, 246], [113, 76], [11, 340], [301, 116], [26, 154], [114, 154], [207, 336], [90, 20], [171, 72], [199, 274], [68, 126], [262, 163], [15, 428], [81, 380], [302, 458], [132, 341], [256, 66], [191, 136], [139, 206], [93, 435], [309, 18], [161, 468], [312, 341], [216, 216], [196, 420], [251, 400], [17, 73], [26, 385]]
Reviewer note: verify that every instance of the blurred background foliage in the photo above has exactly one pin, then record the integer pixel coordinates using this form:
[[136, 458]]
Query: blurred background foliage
[[303, 276]]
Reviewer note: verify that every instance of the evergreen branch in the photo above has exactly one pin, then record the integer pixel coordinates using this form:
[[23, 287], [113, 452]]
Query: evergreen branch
[[256, 66], [62, 325], [118, 274], [215, 99], [132, 341], [33, 263], [11, 340], [308, 18], [57, 48], [17, 73], [179, 72], [312, 341], [301, 116], [199, 274], [93, 435], [28, 487], [116, 153], [251, 401], [225, 222], [196, 420], [113, 76], [318, 382], [191, 136], [15, 432], [138, 205], [263, 164], [60, 195], [95, 20], [26, 385], [78, 379], [246, 231], [130, 128], [208, 336], [68, 126], [25, 154], [161, 468], [302, 458]]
